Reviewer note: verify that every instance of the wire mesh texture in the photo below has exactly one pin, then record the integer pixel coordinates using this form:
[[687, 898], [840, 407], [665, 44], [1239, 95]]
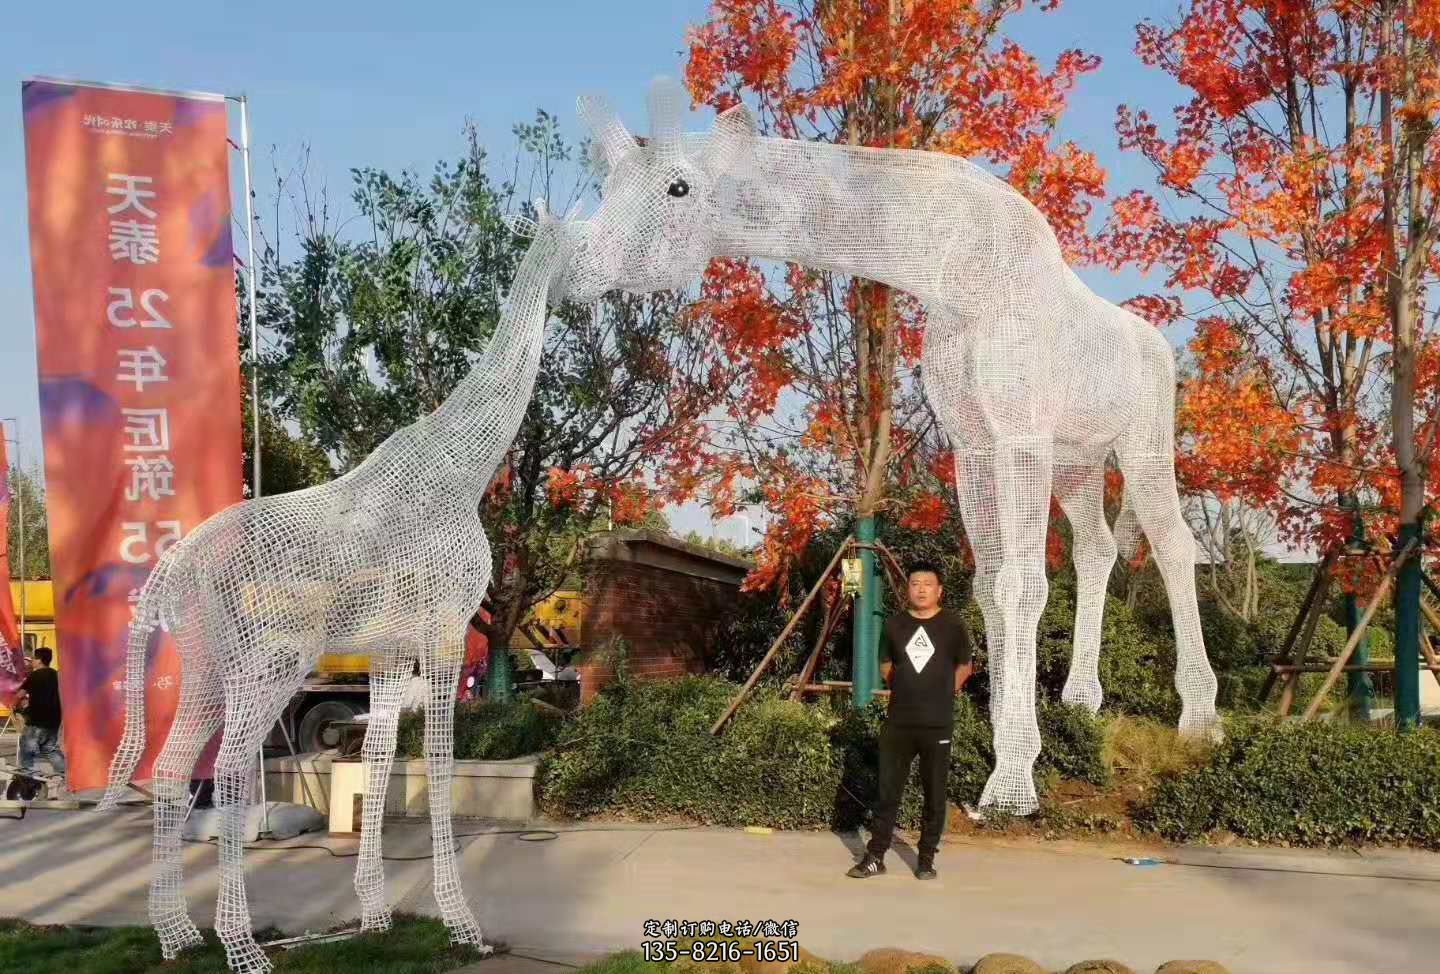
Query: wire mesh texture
[[1036, 379], [391, 560]]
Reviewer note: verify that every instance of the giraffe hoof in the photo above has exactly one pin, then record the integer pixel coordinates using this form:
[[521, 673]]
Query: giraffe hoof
[[248, 958], [1202, 726], [1084, 695], [1011, 789], [178, 936], [468, 932], [377, 921]]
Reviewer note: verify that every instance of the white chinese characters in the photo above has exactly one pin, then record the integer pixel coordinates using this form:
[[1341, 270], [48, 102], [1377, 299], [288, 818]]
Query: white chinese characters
[[151, 477], [131, 239], [141, 367], [147, 429], [108, 124]]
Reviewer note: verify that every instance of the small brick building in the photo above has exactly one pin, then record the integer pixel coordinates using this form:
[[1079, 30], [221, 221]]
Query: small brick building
[[663, 596]]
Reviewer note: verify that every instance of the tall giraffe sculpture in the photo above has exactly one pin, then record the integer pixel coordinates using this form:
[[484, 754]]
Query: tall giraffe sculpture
[[1035, 378], [389, 559]]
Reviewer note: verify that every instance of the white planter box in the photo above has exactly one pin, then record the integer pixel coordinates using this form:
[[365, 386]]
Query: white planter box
[[480, 789]]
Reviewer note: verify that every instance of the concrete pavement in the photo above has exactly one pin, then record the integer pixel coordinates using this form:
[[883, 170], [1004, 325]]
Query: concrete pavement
[[590, 891]]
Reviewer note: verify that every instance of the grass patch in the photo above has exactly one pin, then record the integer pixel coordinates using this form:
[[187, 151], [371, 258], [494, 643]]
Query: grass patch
[[414, 945], [1142, 750], [625, 962]]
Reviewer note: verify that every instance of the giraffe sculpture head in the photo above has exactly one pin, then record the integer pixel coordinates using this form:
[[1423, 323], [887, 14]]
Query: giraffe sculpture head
[[658, 218]]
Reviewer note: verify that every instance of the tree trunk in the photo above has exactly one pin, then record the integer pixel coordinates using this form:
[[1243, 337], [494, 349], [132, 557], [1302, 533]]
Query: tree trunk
[[1402, 169]]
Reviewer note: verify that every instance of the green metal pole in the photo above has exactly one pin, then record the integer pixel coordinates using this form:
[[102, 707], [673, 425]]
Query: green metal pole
[[1407, 635], [1359, 687], [864, 666], [498, 673]]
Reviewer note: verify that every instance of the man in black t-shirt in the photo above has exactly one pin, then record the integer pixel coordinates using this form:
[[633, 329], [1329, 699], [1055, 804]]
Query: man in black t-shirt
[[925, 659], [39, 704]]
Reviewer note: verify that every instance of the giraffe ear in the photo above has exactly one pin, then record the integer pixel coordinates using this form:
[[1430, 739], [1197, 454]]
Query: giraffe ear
[[521, 226], [731, 139]]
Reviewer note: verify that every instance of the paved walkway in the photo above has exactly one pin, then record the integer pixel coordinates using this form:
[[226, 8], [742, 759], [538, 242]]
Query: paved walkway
[[587, 892]]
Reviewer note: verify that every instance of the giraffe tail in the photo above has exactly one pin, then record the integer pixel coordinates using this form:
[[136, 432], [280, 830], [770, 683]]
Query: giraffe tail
[[132, 740]]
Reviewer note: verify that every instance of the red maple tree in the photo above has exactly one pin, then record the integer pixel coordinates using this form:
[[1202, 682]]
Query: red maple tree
[[1304, 188]]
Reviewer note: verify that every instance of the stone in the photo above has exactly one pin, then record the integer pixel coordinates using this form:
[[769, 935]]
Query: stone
[[893, 960], [749, 965], [1098, 967], [1006, 964], [1191, 967]]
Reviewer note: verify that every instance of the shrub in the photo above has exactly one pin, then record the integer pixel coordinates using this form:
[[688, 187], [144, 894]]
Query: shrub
[[646, 750], [1317, 783], [486, 731]]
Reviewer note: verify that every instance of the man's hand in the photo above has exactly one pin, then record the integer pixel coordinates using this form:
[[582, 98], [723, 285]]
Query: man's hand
[[886, 669], [962, 673]]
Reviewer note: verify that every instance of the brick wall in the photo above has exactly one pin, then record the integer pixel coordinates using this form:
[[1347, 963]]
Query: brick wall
[[662, 596]]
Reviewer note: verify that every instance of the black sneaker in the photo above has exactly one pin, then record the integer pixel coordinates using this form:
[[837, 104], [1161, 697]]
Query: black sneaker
[[867, 867], [925, 868]]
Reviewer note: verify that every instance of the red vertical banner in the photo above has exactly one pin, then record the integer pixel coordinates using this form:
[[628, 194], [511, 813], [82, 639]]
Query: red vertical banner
[[129, 205], [12, 659]]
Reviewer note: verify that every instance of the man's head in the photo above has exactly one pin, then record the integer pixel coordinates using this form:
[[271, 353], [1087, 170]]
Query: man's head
[[924, 587], [43, 655], [655, 228]]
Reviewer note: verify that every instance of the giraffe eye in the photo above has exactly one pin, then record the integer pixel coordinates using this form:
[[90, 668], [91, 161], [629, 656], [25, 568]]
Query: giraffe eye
[[679, 188]]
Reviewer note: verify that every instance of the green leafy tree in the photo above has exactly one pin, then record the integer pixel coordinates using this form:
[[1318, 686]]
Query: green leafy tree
[[27, 492], [286, 462]]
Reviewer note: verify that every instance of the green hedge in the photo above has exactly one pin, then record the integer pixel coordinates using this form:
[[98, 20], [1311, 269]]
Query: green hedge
[[1307, 784], [645, 750], [487, 731]]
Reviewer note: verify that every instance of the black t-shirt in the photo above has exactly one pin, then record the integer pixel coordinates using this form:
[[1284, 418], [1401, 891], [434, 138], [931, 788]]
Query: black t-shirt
[[43, 707], [925, 654]]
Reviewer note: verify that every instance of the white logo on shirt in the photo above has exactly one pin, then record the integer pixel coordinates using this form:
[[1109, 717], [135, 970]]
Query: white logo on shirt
[[919, 649]]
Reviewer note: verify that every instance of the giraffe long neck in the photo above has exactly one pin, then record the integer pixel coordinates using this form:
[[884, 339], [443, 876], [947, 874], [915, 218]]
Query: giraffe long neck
[[472, 429], [886, 215]]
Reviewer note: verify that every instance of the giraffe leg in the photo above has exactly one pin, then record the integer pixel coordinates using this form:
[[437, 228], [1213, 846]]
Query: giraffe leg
[[387, 686], [1147, 458], [1021, 471], [975, 490], [197, 716], [1150, 483], [254, 701], [443, 674], [1080, 489]]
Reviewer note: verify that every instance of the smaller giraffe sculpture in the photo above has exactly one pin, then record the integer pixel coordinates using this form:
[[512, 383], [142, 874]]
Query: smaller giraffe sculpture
[[389, 559], [1035, 378]]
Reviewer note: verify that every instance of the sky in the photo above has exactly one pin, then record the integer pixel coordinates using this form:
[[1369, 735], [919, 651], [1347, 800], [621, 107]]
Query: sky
[[389, 85]]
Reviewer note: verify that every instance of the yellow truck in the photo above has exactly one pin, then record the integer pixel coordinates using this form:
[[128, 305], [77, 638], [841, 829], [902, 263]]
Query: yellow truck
[[37, 600]]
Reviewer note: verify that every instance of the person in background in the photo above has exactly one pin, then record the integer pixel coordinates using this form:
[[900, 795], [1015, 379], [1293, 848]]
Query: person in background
[[417, 691], [38, 701], [925, 659]]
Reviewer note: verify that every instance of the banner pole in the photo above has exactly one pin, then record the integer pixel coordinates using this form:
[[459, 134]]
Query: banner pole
[[20, 512], [250, 271], [20, 522]]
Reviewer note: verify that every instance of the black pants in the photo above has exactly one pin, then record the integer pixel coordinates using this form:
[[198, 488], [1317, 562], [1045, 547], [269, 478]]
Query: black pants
[[898, 748]]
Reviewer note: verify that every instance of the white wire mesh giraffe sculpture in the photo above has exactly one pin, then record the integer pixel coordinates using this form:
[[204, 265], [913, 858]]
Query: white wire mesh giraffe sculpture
[[389, 559], [1036, 379]]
